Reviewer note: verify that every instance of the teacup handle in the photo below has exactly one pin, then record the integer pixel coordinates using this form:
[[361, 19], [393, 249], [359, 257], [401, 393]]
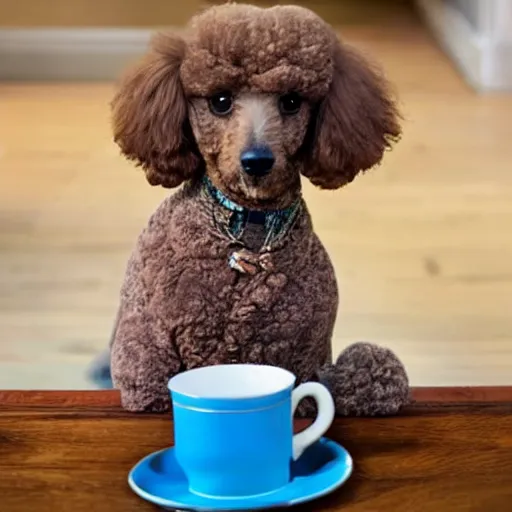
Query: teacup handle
[[325, 406]]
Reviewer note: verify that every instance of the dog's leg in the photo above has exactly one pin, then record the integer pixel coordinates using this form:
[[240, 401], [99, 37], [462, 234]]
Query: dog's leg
[[367, 380], [143, 360]]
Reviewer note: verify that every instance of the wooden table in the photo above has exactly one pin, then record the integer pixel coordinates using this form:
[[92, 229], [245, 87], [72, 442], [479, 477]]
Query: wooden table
[[450, 451]]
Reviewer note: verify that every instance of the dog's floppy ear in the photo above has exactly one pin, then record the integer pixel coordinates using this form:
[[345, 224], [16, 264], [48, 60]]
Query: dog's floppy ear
[[354, 124], [150, 116]]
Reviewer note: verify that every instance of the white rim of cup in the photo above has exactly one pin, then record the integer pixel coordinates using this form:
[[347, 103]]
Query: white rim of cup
[[173, 384]]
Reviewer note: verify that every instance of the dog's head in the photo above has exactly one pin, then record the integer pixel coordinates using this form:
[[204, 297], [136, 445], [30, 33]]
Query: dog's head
[[254, 97]]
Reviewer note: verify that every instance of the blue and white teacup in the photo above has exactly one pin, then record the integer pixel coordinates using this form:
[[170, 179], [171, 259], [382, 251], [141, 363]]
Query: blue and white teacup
[[233, 427]]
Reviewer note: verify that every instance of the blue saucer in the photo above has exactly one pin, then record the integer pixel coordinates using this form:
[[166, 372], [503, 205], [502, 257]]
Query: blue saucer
[[322, 468]]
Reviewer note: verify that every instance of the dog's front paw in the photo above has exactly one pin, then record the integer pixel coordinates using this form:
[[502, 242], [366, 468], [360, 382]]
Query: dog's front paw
[[367, 380], [143, 400]]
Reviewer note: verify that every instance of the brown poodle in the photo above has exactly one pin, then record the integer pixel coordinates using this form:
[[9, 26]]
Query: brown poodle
[[228, 269]]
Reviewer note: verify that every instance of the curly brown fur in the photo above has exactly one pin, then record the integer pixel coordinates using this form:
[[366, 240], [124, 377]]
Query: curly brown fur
[[266, 50], [355, 124], [367, 381], [349, 114], [182, 306], [150, 116]]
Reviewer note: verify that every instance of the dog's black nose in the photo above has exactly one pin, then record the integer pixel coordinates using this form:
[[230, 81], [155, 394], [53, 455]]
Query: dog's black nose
[[257, 161]]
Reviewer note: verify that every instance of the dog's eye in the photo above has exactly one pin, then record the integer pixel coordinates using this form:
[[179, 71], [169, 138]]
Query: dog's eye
[[221, 103], [290, 103]]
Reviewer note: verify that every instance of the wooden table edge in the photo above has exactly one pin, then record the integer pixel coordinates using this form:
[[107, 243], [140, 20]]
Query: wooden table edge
[[110, 398]]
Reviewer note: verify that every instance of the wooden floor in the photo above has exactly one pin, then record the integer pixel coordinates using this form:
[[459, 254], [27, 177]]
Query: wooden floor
[[422, 246]]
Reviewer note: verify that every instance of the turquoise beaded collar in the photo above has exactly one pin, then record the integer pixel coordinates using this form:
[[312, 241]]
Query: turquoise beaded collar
[[273, 220]]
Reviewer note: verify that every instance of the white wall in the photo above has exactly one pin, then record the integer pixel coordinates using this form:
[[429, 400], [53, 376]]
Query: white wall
[[477, 34], [469, 9], [504, 20]]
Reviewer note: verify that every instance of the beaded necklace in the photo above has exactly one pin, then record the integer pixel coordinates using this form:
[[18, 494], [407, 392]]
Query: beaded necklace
[[233, 220]]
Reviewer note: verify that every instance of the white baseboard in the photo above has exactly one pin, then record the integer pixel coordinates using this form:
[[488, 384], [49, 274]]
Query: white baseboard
[[69, 54], [484, 61]]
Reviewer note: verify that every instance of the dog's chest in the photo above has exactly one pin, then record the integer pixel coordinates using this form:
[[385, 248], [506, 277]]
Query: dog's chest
[[217, 315]]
